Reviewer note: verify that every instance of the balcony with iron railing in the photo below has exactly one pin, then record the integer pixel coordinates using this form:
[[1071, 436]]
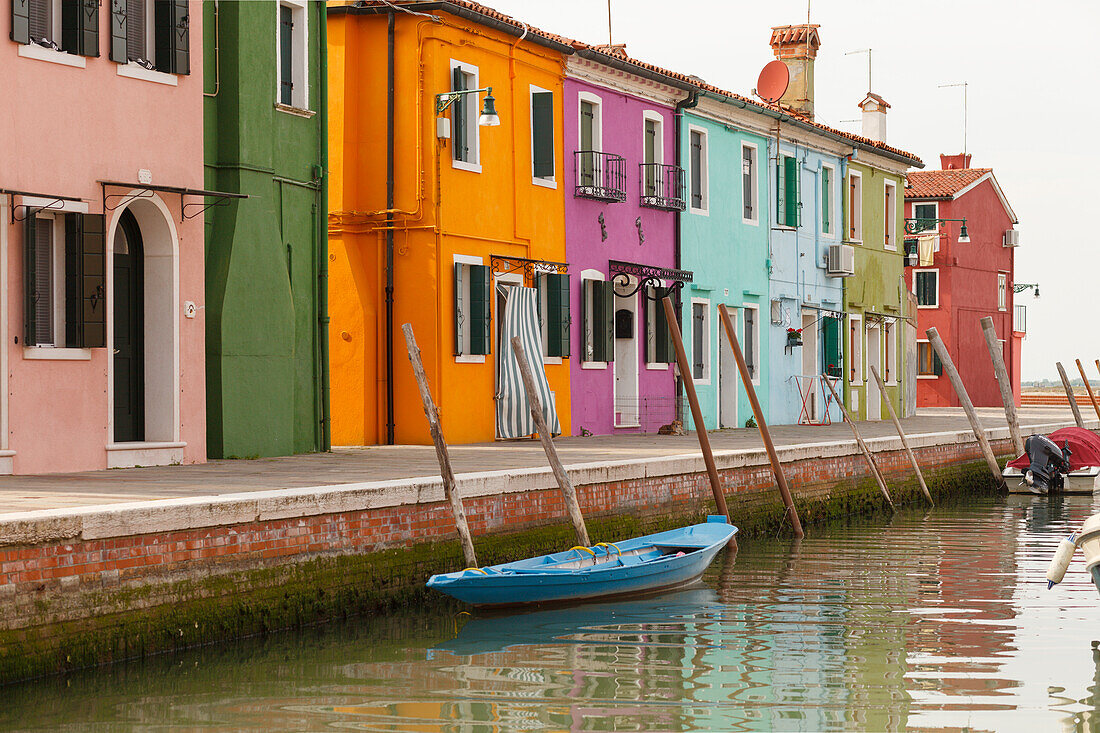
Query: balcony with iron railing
[[662, 186], [1019, 319], [600, 176]]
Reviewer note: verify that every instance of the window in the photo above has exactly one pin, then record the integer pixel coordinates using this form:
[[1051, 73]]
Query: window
[[659, 349], [788, 192], [652, 153], [831, 346], [292, 44], [928, 361], [890, 216], [598, 322], [151, 34], [751, 336], [61, 25], [590, 124], [465, 136], [926, 284], [553, 298], [890, 332], [749, 184], [926, 214], [542, 135], [65, 297], [855, 207], [697, 145], [700, 340], [855, 350], [827, 199], [473, 314], [1002, 291]]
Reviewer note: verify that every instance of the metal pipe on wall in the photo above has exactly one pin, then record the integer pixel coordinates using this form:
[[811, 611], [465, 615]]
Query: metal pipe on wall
[[322, 242]]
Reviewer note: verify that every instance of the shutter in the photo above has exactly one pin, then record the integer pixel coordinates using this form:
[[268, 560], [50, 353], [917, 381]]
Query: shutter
[[790, 192], [29, 278], [851, 207], [73, 310], [181, 48], [136, 26], [459, 315], [830, 337], [937, 365], [93, 283], [20, 21], [557, 313], [286, 55], [458, 116], [603, 321], [171, 36], [609, 321], [542, 134], [119, 26], [780, 198], [746, 181], [587, 296], [696, 170], [666, 350], [750, 341], [80, 27], [826, 201], [480, 309], [697, 366]]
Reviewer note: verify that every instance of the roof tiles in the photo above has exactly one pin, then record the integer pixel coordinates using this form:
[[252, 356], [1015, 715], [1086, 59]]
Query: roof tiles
[[941, 184]]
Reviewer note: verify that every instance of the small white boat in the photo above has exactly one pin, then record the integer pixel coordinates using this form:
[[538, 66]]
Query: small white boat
[[1081, 481], [1067, 461], [1088, 539]]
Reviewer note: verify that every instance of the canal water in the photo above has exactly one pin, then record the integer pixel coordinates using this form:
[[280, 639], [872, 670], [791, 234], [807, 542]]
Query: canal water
[[937, 620]]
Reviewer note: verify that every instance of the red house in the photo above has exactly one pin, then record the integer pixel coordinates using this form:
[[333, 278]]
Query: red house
[[960, 276]]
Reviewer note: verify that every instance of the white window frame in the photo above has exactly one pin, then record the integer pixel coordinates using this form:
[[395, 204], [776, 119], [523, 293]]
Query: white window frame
[[890, 218], [653, 309], [552, 181], [935, 215], [855, 323], [890, 343], [925, 376], [755, 193], [53, 55], [831, 234], [597, 122], [544, 321], [464, 301], [1002, 291], [300, 61], [756, 339], [473, 129], [704, 176], [649, 115], [857, 205], [928, 269], [707, 351], [586, 314]]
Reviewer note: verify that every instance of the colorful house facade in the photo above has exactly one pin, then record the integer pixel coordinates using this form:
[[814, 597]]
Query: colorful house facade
[[959, 282], [264, 136], [101, 248]]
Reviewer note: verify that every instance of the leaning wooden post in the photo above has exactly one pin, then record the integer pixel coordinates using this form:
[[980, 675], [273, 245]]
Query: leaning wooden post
[[904, 440], [547, 440], [879, 478], [445, 469], [1069, 395], [761, 423], [1003, 382], [1088, 388], [967, 405], [696, 412]]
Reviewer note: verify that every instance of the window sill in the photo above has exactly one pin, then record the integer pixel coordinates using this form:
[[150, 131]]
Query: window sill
[[700, 212], [464, 166], [133, 71], [56, 353], [145, 445], [927, 307], [551, 360], [593, 365], [657, 367], [545, 182], [927, 376], [34, 51], [628, 426], [785, 228], [470, 359], [750, 222], [296, 111]]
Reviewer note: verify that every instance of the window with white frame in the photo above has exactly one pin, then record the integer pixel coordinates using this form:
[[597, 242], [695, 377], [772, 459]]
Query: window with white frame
[[698, 173], [926, 284], [542, 135], [700, 340], [472, 309], [465, 135], [890, 336], [828, 198], [44, 19], [788, 191], [140, 46], [590, 136], [750, 334], [855, 207], [597, 320], [1002, 291], [890, 215], [855, 350], [49, 279], [749, 184], [928, 361], [659, 349], [291, 40], [652, 155], [926, 213]]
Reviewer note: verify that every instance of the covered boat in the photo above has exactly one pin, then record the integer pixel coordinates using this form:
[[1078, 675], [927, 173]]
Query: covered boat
[[655, 562], [1067, 460]]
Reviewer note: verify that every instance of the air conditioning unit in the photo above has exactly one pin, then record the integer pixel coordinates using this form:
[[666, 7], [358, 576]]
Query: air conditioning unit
[[1012, 238], [841, 261]]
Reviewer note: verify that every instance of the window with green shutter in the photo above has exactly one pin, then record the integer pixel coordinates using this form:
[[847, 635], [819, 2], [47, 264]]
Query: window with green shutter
[[472, 310], [827, 200], [792, 213], [830, 338], [598, 321], [928, 361], [460, 136], [558, 320], [659, 348], [80, 27], [926, 285], [542, 134], [286, 54]]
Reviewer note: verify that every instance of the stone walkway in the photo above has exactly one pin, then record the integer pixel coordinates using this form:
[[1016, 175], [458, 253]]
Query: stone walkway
[[381, 463]]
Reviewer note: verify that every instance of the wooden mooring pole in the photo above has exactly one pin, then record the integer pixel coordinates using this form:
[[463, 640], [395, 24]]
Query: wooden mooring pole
[[1069, 395], [696, 412], [761, 423], [445, 470], [1003, 382], [1088, 388], [967, 405], [901, 434], [564, 482], [879, 478]]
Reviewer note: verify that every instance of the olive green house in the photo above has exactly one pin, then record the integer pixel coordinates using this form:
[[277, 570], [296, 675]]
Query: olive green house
[[266, 291]]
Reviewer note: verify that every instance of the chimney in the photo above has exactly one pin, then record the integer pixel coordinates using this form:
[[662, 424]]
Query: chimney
[[796, 46], [612, 49], [874, 117], [953, 162]]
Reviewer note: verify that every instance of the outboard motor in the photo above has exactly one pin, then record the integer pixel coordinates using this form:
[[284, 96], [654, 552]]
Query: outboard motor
[[1048, 463]]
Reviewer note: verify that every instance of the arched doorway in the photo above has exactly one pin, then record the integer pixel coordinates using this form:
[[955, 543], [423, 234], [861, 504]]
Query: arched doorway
[[129, 331]]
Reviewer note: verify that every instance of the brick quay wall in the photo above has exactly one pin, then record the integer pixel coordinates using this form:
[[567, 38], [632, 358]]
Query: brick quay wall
[[89, 586]]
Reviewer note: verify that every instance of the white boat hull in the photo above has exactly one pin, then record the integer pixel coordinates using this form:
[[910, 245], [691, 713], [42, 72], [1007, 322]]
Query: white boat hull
[[1082, 481]]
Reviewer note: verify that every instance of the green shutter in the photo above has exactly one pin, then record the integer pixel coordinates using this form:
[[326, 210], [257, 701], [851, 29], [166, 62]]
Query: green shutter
[[542, 134], [459, 316], [29, 278], [80, 27], [93, 283], [780, 192], [458, 116], [937, 365], [826, 201], [73, 309], [286, 54], [830, 336], [480, 310], [663, 346], [603, 321], [118, 31], [790, 192], [20, 21], [556, 287], [696, 144]]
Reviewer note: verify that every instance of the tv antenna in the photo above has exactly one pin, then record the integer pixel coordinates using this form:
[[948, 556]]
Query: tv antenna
[[964, 85], [609, 41], [868, 52]]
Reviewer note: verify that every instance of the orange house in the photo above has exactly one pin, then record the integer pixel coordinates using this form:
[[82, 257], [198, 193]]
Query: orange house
[[438, 212]]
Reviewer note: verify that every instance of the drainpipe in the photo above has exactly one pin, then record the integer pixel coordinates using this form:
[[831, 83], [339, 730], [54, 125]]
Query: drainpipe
[[687, 103], [322, 239], [389, 228]]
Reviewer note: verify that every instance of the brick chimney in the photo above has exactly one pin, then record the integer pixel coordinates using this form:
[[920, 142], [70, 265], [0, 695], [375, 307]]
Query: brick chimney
[[953, 162], [874, 116], [796, 46]]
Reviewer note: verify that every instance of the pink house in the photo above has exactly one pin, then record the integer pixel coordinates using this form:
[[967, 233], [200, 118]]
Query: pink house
[[101, 241]]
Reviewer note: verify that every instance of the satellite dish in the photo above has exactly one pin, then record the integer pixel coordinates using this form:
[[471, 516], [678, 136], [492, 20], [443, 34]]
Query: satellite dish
[[773, 81]]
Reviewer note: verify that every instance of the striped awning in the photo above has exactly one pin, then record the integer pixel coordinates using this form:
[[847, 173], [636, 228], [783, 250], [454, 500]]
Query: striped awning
[[513, 411]]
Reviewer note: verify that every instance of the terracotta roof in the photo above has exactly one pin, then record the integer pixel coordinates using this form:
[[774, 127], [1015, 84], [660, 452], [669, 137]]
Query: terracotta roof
[[787, 34], [874, 97], [941, 184]]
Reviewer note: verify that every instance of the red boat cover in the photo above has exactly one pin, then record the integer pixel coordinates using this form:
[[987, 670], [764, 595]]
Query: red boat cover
[[1084, 447]]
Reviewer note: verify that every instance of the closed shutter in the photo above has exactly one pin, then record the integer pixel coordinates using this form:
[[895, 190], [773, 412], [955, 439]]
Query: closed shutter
[[697, 170], [557, 314], [135, 30], [30, 234], [73, 310], [826, 200], [750, 341], [119, 27], [663, 346], [460, 151], [21, 21], [542, 134], [937, 365], [852, 197], [698, 316], [791, 185], [80, 27], [830, 336], [93, 283], [459, 315], [286, 54], [172, 36], [603, 321], [746, 181], [780, 192], [40, 22], [481, 313]]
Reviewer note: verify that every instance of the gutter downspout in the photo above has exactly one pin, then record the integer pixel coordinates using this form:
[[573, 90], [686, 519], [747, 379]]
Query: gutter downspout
[[677, 116], [389, 225], [322, 240]]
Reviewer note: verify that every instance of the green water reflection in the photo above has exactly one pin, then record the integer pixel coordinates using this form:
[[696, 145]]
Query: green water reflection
[[937, 620]]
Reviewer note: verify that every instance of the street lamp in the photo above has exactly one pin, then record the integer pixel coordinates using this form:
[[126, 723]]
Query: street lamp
[[917, 226], [489, 116], [1021, 287]]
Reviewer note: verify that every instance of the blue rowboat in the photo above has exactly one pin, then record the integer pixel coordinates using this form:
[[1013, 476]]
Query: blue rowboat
[[655, 562]]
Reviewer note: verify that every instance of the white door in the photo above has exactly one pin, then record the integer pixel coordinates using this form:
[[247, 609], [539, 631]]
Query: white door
[[874, 359], [809, 362], [727, 379], [627, 412]]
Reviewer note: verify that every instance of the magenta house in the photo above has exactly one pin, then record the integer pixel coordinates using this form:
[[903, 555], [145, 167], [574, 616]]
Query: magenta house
[[623, 194]]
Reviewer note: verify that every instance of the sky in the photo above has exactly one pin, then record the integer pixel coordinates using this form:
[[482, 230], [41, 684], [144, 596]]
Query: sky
[[1032, 107]]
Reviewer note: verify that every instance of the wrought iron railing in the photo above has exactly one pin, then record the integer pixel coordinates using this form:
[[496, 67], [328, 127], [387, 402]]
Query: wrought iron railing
[[1019, 319], [600, 175], [662, 186]]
